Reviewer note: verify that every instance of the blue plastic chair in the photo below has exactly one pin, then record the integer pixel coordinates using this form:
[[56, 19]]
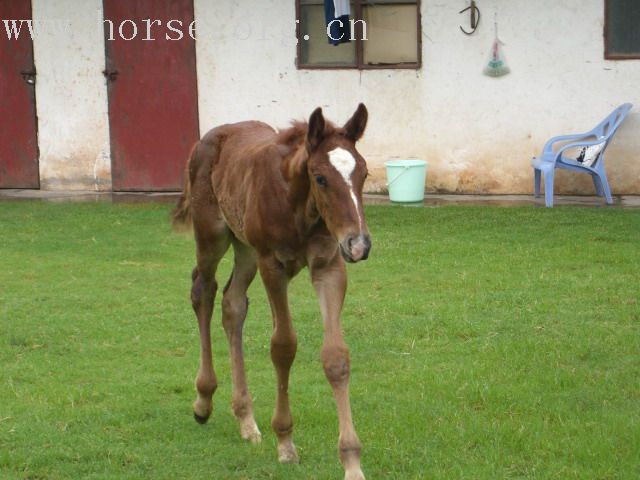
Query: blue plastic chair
[[549, 160]]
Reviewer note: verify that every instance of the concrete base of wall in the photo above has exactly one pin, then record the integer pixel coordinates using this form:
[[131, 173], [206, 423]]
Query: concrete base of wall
[[430, 200]]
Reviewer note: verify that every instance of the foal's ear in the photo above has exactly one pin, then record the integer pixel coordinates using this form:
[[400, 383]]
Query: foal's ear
[[315, 133], [354, 128]]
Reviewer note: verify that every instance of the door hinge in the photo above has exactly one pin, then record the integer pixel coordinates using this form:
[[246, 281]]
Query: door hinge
[[29, 76], [110, 75]]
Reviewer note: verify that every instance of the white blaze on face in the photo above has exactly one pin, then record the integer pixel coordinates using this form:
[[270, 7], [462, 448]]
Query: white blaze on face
[[344, 163]]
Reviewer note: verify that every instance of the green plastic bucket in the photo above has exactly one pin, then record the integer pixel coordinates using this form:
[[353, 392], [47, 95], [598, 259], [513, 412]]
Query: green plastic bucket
[[405, 180]]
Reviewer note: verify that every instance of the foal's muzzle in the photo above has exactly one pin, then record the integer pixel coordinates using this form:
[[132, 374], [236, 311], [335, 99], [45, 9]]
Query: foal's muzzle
[[355, 248]]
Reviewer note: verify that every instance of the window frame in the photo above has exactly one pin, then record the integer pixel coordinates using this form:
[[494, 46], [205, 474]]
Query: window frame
[[359, 60], [607, 54]]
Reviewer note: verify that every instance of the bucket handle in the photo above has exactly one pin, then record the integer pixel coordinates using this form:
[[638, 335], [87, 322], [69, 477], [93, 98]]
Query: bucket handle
[[405, 168]]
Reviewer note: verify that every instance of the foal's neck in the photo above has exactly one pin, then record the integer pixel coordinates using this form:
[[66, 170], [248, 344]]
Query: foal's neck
[[301, 201]]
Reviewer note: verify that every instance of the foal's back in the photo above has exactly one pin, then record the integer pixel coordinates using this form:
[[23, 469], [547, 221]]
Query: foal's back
[[247, 182], [226, 168]]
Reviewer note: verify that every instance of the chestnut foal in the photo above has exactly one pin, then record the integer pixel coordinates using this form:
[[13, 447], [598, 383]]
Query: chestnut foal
[[283, 201]]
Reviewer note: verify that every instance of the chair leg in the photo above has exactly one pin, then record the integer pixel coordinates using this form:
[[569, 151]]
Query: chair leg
[[536, 182], [606, 189], [597, 183], [548, 188]]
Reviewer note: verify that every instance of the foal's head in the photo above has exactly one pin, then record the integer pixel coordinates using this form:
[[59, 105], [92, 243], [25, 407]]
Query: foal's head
[[336, 174]]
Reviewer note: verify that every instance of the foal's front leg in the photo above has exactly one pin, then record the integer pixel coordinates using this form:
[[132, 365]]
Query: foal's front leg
[[283, 351], [330, 282]]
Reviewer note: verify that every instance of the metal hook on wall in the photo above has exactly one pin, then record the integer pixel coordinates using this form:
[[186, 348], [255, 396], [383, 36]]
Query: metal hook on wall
[[475, 17]]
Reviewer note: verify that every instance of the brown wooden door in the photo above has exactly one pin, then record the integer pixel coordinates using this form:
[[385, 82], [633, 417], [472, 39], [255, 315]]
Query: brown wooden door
[[153, 99], [18, 127]]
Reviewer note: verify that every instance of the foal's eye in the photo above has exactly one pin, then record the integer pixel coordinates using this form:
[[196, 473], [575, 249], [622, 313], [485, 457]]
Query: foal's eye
[[320, 180]]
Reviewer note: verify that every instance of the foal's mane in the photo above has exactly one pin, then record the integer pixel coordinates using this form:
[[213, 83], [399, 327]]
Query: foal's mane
[[291, 145], [293, 137]]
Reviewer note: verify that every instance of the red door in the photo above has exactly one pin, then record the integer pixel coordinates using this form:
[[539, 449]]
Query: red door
[[18, 128], [153, 98]]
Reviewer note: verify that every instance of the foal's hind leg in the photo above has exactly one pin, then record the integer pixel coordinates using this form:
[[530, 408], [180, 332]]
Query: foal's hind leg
[[234, 311], [212, 240]]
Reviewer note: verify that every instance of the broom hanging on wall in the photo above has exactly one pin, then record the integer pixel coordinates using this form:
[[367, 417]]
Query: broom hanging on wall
[[497, 64]]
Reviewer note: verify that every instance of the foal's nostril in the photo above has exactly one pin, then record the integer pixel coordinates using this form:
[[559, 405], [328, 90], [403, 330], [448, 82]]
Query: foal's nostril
[[367, 247]]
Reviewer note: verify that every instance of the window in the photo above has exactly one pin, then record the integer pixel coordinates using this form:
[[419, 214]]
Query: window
[[382, 33], [621, 29]]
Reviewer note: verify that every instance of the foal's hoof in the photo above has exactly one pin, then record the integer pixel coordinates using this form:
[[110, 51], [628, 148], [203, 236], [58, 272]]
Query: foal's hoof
[[287, 453], [249, 431], [202, 410], [199, 419], [354, 475]]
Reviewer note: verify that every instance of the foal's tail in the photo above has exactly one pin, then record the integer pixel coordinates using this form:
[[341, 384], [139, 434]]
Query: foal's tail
[[181, 218]]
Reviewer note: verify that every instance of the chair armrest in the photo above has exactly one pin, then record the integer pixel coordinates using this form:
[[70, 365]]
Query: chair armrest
[[586, 143], [548, 147]]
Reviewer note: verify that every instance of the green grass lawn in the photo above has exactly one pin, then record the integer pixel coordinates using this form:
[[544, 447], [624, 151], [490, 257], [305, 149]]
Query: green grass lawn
[[486, 343]]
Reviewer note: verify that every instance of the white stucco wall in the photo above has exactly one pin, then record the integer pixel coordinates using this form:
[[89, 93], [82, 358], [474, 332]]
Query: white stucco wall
[[477, 133], [71, 95]]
